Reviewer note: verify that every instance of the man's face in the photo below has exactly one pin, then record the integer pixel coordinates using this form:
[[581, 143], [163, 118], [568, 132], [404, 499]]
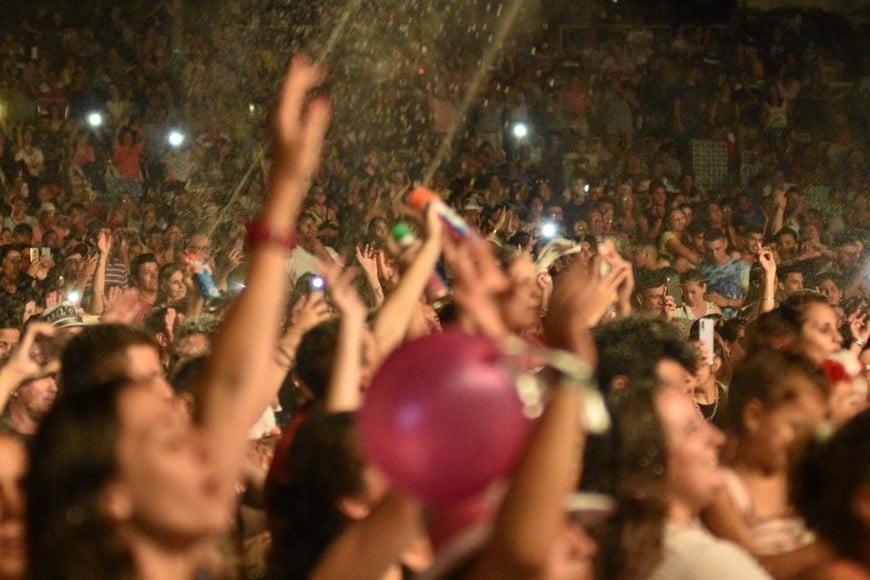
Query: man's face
[[37, 396], [659, 195], [829, 288], [200, 245], [147, 276], [12, 265], [754, 242], [652, 300], [307, 230], [848, 255], [786, 246], [794, 282], [717, 251], [9, 337]]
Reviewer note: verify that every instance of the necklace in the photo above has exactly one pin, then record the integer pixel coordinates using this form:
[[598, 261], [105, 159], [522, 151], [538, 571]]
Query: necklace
[[715, 406]]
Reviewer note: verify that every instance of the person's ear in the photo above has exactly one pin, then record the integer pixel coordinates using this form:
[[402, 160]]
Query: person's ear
[[161, 339], [618, 383], [752, 415], [717, 364], [353, 507], [117, 502]]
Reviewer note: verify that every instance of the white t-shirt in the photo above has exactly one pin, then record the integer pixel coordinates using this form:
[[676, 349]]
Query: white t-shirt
[[692, 553], [302, 262]]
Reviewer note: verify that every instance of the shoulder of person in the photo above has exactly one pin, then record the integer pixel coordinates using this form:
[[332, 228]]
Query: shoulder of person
[[695, 553]]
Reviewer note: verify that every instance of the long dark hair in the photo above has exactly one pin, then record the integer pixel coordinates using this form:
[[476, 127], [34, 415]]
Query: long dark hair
[[73, 459], [630, 466], [324, 465]]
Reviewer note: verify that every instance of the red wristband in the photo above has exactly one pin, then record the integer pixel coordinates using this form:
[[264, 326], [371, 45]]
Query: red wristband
[[259, 233]]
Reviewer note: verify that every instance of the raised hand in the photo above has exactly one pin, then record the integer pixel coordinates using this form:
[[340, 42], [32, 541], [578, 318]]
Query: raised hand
[[309, 311], [104, 241], [581, 296], [478, 281], [31, 358], [123, 306], [767, 262], [297, 134], [859, 327], [367, 260], [235, 258], [339, 284], [780, 197]]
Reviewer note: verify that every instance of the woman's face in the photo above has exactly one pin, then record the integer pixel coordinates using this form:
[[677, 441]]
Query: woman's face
[[779, 427], [175, 287], [693, 293], [677, 220], [380, 230], [167, 487], [13, 466], [819, 336], [693, 473], [521, 308]]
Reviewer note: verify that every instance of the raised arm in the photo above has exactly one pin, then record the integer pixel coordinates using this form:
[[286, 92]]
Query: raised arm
[[394, 317], [533, 511], [21, 366], [368, 262], [768, 280], [778, 220], [343, 393], [98, 295], [234, 382]]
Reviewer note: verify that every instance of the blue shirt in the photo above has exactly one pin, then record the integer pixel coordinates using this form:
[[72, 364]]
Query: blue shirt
[[730, 279]]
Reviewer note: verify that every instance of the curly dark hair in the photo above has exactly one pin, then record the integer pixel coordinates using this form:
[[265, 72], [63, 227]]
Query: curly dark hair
[[635, 345], [628, 463]]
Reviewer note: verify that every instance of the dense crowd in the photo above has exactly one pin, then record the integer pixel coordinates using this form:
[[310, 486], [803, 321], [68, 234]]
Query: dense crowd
[[198, 327]]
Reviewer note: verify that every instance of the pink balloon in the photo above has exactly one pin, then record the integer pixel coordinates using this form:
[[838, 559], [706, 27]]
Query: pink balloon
[[442, 417]]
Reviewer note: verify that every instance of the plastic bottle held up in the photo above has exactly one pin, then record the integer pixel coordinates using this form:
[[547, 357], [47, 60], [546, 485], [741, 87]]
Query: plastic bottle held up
[[205, 283], [421, 197]]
